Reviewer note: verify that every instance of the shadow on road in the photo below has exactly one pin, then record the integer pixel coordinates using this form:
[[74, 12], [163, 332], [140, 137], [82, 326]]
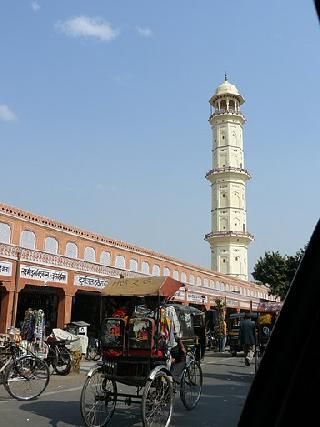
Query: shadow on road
[[57, 413]]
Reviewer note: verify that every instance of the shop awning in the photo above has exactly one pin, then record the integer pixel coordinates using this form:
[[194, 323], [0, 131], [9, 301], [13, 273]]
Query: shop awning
[[142, 286]]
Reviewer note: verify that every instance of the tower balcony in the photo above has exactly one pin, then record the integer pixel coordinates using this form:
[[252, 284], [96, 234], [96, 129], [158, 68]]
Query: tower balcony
[[222, 234], [228, 169]]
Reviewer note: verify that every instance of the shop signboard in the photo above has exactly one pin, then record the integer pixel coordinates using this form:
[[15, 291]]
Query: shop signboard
[[43, 274], [232, 303], [196, 298], [180, 295], [92, 282], [245, 304], [5, 268]]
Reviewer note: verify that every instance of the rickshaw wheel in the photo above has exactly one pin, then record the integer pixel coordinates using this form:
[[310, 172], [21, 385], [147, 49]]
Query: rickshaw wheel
[[98, 399], [157, 401], [191, 385]]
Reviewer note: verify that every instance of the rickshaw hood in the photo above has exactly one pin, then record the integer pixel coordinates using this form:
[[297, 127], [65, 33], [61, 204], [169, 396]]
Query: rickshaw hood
[[142, 286]]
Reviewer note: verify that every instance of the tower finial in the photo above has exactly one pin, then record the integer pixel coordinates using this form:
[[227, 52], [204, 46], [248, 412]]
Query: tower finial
[[225, 77]]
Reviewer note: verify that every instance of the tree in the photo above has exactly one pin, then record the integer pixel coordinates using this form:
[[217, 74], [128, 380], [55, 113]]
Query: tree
[[293, 262], [277, 271]]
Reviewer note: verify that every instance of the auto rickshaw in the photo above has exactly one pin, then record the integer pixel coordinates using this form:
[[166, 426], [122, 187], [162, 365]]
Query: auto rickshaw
[[138, 334], [233, 327], [267, 316]]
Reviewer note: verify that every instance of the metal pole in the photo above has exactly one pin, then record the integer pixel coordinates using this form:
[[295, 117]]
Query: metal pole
[[15, 295]]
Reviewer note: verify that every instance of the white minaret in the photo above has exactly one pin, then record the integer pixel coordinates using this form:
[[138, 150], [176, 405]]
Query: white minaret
[[229, 239]]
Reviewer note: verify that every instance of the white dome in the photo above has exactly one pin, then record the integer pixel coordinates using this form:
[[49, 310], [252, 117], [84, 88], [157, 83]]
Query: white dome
[[226, 88]]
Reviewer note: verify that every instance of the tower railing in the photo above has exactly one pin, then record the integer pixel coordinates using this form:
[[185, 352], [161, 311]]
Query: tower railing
[[228, 169], [225, 111], [229, 234]]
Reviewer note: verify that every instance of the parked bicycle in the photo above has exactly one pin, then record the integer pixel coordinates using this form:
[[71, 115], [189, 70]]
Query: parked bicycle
[[59, 356], [24, 376]]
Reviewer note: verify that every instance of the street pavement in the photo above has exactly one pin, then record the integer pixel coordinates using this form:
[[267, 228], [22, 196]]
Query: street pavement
[[226, 384]]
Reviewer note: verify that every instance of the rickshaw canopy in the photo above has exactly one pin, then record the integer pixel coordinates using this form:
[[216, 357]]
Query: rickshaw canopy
[[142, 286]]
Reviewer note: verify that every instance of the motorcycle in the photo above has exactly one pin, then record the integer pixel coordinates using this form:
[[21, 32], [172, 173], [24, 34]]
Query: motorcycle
[[211, 342]]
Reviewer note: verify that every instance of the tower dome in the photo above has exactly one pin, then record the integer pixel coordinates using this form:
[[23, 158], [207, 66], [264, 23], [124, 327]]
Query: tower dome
[[226, 88]]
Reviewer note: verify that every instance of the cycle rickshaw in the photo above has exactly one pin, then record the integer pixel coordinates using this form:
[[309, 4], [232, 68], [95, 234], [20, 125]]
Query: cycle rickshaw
[[137, 334]]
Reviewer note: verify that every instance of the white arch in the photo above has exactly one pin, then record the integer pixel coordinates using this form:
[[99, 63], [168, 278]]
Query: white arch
[[145, 267], [176, 274], [105, 258], [51, 245], [183, 277], [120, 262], [28, 239], [89, 254], [156, 270], [166, 271], [71, 250], [133, 265], [5, 232]]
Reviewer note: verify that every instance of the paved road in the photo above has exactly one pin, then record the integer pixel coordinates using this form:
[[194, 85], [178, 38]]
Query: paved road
[[226, 384]]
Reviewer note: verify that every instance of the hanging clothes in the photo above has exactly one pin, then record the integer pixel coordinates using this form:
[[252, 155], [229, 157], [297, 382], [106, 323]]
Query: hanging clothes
[[27, 330], [39, 326]]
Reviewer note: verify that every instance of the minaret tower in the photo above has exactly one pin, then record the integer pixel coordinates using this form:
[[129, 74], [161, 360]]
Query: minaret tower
[[229, 239]]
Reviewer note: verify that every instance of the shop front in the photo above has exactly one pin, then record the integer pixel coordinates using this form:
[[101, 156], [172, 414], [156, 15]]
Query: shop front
[[86, 306], [45, 298]]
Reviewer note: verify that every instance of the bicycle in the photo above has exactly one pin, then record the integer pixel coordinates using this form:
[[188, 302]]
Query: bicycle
[[191, 380], [24, 376], [59, 356]]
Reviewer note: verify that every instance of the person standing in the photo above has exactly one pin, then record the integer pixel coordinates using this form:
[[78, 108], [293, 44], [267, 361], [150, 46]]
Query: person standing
[[247, 335], [222, 334]]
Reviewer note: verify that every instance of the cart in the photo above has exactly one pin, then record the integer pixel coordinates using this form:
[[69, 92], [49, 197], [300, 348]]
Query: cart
[[137, 337]]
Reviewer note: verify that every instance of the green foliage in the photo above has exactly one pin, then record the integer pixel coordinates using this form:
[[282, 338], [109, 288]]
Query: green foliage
[[277, 271]]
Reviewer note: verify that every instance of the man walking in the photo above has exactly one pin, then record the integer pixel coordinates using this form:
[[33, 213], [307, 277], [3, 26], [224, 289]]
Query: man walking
[[247, 337]]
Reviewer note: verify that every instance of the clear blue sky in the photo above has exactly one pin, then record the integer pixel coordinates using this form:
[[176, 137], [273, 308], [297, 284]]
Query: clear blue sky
[[104, 116]]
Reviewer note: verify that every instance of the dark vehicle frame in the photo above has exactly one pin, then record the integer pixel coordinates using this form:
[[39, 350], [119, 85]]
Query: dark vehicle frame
[[135, 352]]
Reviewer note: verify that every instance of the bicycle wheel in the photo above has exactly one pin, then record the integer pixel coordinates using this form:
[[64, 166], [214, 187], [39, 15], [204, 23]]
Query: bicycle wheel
[[62, 362], [98, 399], [157, 401], [191, 385], [26, 378]]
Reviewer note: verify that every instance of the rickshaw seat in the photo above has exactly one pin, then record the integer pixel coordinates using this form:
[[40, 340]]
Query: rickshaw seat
[[113, 337], [141, 332]]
